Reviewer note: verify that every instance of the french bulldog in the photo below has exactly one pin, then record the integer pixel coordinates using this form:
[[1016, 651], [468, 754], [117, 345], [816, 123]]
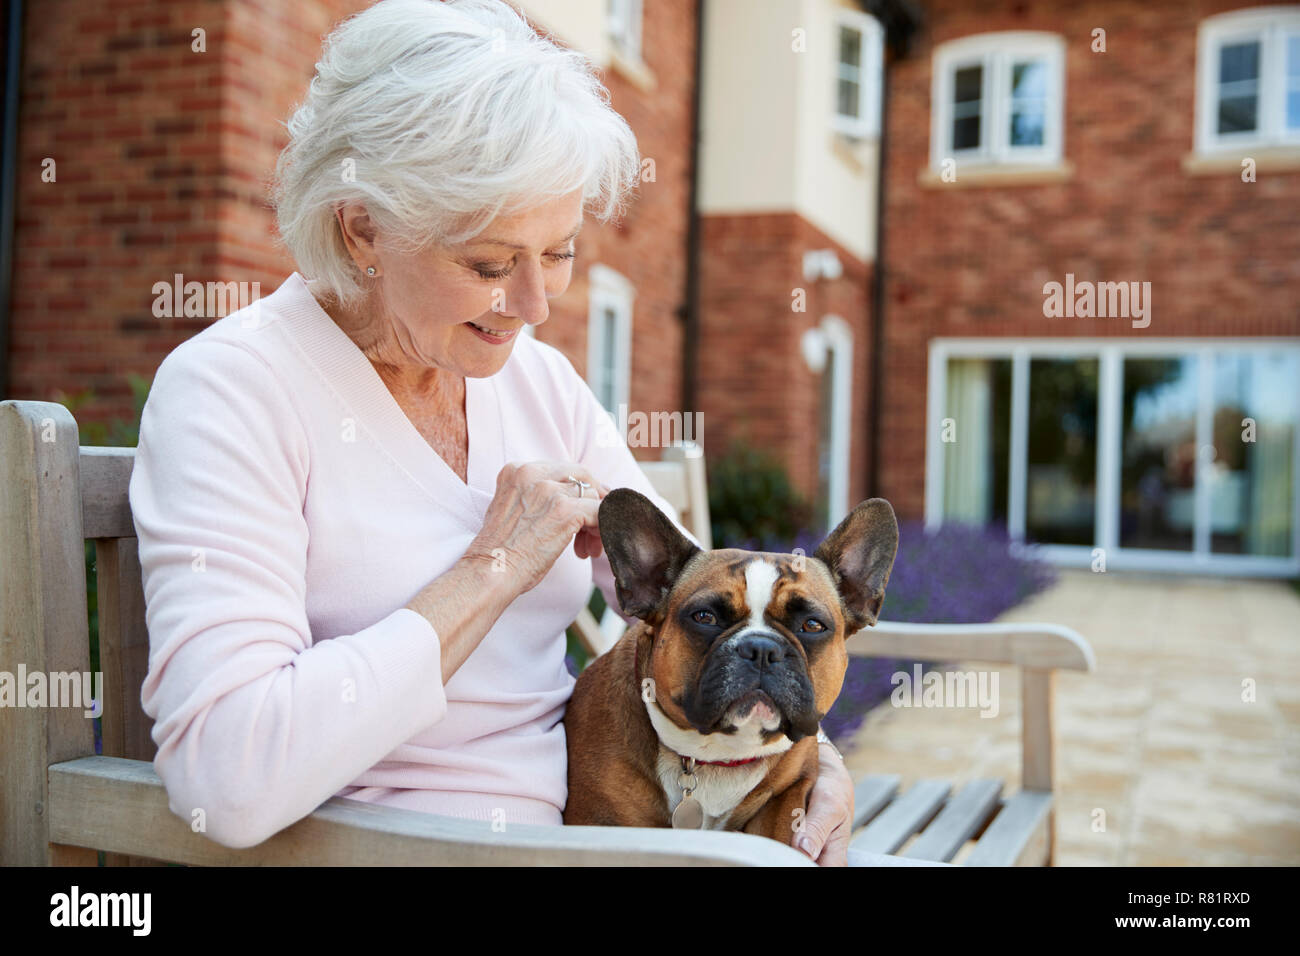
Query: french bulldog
[[706, 713]]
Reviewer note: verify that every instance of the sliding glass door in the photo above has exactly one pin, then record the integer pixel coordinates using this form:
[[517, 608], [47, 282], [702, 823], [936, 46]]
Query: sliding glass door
[[1061, 476], [1165, 454], [1157, 504]]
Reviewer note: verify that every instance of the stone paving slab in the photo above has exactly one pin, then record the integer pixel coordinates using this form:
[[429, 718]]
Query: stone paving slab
[[1157, 745]]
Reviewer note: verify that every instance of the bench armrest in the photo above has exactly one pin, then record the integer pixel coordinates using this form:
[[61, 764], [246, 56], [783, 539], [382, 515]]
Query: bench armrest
[[120, 806], [1035, 646]]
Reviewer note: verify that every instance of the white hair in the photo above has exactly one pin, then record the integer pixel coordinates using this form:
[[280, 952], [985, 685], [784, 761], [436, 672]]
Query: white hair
[[438, 116]]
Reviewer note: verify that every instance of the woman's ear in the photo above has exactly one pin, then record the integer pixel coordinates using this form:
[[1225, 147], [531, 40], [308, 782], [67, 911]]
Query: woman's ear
[[358, 233]]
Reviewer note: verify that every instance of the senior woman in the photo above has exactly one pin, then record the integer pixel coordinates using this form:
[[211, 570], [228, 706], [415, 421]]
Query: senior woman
[[355, 499]]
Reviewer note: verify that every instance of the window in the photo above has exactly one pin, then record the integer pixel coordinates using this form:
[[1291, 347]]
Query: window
[[1248, 79], [998, 98], [609, 337], [859, 43], [828, 347], [1166, 454], [623, 24]]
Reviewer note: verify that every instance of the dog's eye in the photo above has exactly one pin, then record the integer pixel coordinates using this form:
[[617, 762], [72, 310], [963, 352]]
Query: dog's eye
[[813, 626], [704, 617]]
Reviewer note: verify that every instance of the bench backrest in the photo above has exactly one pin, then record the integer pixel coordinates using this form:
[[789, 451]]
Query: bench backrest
[[59, 495]]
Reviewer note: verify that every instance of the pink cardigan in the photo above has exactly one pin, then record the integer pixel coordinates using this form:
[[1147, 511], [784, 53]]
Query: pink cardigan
[[286, 510]]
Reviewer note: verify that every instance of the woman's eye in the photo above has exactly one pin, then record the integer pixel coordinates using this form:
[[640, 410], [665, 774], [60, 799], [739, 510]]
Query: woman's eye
[[562, 256], [813, 626], [487, 272], [704, 617]]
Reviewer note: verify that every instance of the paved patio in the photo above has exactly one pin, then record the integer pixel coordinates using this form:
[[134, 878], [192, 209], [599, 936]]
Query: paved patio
[[1158, 738]]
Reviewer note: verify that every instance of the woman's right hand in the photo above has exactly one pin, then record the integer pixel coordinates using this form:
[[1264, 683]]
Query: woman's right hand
[[533, 516]]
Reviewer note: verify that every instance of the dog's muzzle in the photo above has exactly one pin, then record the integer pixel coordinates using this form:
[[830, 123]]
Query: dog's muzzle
[[742, 669]]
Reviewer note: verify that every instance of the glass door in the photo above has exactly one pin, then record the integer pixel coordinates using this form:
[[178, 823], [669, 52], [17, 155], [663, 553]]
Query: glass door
[[1165, 454], [1157, 503]]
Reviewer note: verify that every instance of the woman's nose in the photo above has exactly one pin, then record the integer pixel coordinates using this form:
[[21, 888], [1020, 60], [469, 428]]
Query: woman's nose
[[526, 297]]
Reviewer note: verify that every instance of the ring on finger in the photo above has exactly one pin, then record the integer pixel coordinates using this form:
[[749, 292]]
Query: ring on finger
[[582, 485]]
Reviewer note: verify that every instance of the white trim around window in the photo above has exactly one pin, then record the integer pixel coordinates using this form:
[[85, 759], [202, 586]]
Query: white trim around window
[[1200, 511], [1013, 105], [855, 104], [623, 26], [609, 336], [1259, 50], [839, 346]]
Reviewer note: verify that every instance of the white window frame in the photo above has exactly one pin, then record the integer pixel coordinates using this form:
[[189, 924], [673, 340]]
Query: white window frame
[[866, 124], [1110, 354], [1270, 26], [997, 53], [839, 348], [608, 289], [623, 26]]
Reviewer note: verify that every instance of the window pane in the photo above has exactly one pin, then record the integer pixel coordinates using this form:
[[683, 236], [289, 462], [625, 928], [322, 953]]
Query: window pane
[[1158, 475], [850, 47], [1251, 477], [825, 440], [1239, 62], [1061, 481], [967, 85], [847, 98], [975, 457], [1028, 103], [1029, 80], [1238, 87], [1293, 81], [608, 373]]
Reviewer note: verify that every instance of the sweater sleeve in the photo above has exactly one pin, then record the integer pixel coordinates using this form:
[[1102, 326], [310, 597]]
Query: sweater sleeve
[[605, 453], [256, 724]]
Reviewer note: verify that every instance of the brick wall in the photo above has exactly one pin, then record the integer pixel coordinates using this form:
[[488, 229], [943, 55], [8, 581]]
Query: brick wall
[[1222, 256], [164, 154], [649, 245], [753, 380]]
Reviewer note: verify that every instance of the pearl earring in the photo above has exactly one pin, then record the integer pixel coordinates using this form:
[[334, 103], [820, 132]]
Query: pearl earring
[[370, 270]]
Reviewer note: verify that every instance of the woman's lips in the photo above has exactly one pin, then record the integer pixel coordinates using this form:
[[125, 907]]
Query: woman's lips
[[488, 336]]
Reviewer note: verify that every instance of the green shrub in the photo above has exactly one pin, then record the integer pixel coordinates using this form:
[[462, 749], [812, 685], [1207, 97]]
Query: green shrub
[[751, 499]]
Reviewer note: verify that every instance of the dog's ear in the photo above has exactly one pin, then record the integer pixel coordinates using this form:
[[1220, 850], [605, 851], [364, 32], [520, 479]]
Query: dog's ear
[[860, 553], [646, 551]]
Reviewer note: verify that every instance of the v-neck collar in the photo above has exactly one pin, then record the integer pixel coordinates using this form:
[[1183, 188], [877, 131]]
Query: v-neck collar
[[346, 369]]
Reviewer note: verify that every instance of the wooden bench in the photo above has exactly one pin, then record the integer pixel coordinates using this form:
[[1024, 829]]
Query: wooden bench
[[60, 803]]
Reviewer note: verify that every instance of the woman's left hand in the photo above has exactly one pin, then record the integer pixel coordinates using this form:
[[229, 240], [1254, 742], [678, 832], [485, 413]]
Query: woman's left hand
[[828, 824]]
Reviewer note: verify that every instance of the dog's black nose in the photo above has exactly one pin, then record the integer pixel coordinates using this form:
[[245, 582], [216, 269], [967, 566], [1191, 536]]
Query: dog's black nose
[[762, 651]]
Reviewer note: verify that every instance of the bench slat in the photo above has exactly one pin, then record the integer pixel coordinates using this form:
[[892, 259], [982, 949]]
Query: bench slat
[[903, 817], [957, 822], [1020, 835], [871, 795]]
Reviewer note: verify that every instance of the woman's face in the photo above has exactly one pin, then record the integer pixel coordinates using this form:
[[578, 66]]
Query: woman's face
[[427, 305]]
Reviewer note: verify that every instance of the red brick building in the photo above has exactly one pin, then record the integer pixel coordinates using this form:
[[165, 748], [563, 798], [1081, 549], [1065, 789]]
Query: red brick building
[[1091, 143], [164, 121], [1142, 158]]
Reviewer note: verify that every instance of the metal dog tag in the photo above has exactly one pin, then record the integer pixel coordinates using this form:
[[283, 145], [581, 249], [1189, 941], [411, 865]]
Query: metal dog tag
[[689, 815]]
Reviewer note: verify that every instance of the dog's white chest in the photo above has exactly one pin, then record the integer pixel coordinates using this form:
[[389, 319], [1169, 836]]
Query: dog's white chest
[[720, 789]]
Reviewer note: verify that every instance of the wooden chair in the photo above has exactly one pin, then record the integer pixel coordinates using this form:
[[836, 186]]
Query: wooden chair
[[59, 803]]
